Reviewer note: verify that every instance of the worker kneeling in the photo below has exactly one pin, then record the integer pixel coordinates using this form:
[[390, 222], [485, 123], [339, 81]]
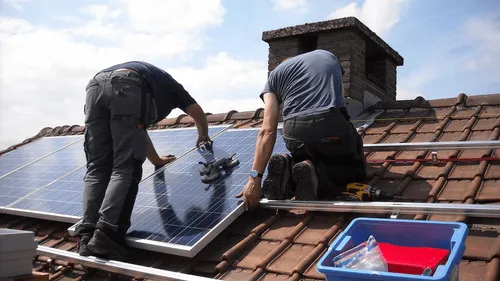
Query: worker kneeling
[[326, 150]]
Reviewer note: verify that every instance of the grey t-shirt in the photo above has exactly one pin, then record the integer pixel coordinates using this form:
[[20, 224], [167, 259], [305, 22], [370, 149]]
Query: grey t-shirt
[[307, 83]]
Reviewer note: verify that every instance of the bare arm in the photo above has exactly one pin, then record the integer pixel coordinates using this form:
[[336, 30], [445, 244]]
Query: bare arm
[[152, 155], [197, 113], [267, 134]]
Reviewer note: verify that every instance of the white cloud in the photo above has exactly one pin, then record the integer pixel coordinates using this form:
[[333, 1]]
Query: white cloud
[[379, 16], [288, 5], [480, 36], [49, 68], [16, 4], [483, 33], [410, 86]]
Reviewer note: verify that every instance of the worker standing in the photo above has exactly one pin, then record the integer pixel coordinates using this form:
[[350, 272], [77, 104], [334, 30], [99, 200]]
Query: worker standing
[[326, 150], [122, 101]]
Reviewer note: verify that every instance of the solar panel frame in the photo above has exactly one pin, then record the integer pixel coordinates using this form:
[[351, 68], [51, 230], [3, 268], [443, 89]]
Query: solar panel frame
[[227, 219], [70, 211]]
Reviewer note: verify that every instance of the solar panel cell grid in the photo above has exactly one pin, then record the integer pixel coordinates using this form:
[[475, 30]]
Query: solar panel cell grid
[[20, 183], [32, 151], [175, 142], [64, 197], [175, 207]]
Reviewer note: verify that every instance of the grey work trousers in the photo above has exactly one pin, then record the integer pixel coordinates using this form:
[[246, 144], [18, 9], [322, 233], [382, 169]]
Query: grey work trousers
[[332, 143], [115, 144]]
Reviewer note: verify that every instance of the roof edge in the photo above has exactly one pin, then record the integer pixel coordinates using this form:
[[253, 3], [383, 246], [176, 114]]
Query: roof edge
[[252, 118]]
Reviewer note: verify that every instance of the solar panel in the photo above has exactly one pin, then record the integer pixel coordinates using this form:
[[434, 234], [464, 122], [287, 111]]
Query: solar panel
[[22, 182], [62, 199], [176, 142], [30, 152], [176, 213]]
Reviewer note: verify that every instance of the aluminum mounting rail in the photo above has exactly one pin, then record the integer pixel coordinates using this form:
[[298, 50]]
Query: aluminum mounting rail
[[392, 208], [123, 268], [442, 145]]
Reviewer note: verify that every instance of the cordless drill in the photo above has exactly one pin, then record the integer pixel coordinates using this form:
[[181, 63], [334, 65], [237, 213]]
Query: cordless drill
[[364, 192]]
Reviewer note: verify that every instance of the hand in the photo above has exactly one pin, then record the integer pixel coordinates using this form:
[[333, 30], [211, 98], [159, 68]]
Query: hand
[[163, 160], [202, 139], [251, 194]]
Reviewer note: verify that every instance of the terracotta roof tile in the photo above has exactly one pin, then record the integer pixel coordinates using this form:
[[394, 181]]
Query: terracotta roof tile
[[253, 257], [490, 112], [319, 230], [286, 227], [237, 274], [418, 190], [482, 245], [432, 171], [489, 190], [290, 258], [457, 125], [480, 270], [270, 245], [493, 170]]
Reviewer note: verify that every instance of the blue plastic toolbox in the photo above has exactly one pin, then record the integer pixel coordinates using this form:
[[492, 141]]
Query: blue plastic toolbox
[[409, 233]]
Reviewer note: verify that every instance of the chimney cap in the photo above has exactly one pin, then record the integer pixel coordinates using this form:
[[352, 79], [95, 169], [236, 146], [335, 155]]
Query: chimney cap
[[329, 25]]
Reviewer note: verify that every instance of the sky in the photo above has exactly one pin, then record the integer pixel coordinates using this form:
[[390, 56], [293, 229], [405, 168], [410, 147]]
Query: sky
[[50, 49]]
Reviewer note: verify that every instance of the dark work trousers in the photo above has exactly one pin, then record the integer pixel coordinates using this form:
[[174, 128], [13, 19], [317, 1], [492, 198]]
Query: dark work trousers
[[332, 144], [115, 145]]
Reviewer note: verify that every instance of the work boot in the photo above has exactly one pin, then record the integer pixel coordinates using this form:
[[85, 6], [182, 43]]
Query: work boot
[[103, 246], [276, 186], [304, 176], [82, 248]]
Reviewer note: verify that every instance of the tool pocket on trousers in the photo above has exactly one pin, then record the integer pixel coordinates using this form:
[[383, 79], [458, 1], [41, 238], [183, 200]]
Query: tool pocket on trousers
[[136, 137], [296, 147], [125, 99]]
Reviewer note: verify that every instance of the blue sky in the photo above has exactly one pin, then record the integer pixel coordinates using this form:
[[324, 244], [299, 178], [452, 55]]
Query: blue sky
[[213, 47]]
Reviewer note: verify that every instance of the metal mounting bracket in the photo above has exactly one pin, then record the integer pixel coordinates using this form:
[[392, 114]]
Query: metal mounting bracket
[[435, 159], [395, 214]]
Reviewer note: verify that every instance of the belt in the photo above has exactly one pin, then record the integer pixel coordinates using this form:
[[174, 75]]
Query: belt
[[331, 112]]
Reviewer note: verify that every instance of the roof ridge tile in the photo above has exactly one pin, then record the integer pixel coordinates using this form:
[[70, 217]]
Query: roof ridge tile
[[486, 99]]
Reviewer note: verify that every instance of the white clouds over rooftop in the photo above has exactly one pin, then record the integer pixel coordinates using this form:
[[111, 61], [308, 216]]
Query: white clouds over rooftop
[[48, 67], [288, 5], [379, 16]]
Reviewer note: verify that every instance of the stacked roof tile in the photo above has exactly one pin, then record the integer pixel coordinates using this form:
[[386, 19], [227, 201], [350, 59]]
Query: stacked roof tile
[[285, 245]]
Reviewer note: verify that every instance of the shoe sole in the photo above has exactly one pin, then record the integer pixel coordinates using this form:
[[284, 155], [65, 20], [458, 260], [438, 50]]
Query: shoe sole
[[302, 175], [83, 250], [94, 245], [274, 185]]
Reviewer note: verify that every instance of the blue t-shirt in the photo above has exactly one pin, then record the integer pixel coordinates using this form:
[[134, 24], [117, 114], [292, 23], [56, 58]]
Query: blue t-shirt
[[306, 84], [168, 93]]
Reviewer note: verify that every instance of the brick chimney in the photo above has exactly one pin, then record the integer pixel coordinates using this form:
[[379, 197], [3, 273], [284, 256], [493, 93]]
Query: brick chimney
[[369, 62]]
